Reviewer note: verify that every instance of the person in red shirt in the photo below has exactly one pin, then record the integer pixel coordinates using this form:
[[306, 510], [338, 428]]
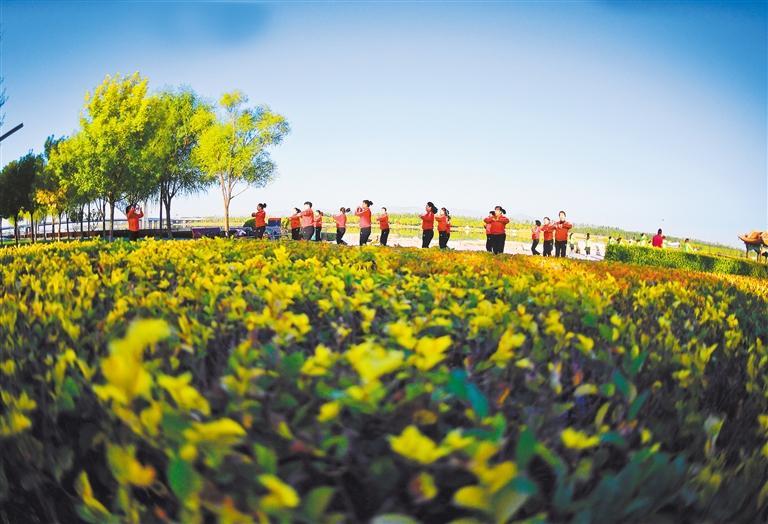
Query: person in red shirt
[[443, 219], [295, 224], [658, 240], [428, 224], [364, 212], [341, 225], [383, 220], [133, 214], [498, 223], [260, 220], [318, 225], [488, 238], [562, 227], [535, 233], [547, 230], [307, 218]]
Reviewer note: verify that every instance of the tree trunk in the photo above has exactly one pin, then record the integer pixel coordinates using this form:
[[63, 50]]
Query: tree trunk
[[1, 231], [104, 217], [111, 220], [168, 215], [32, 224], [226, 216], [82, 211], [162, 195], [16, 227], [58, 234], [66, 215]]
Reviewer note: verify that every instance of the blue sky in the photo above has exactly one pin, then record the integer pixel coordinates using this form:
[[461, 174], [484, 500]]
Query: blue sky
[[639, 115]]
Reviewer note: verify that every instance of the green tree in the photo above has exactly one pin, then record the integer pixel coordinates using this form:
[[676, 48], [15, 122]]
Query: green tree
[[233, 149], [17, 185], [115, 130], [57, 190], [180, 118]]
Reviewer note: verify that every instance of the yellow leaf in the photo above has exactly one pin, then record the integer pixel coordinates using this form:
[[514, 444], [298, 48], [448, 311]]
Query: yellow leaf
[[473, 497], [575, 439]]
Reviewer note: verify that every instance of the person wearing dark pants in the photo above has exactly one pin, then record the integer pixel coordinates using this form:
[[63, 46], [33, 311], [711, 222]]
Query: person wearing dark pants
[[260, 220], [499, 241], [341, 225], [383, 220], [133, 214], [364, 212], [535, 232], [488, 238], [443, 219], [295, 223], [562, 228], [307, 221], [428, 224], [318, 226], [498, 223], [547, 230]]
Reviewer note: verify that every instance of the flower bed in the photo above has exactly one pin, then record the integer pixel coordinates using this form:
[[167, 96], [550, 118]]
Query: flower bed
[[231, 381]]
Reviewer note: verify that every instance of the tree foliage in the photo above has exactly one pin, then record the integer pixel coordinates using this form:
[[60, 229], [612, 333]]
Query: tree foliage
[[233, 150]]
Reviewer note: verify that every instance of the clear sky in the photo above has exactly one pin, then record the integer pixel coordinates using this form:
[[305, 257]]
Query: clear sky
[[634, 114]]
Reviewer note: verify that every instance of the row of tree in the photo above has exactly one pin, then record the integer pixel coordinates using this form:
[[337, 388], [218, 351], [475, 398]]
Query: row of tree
[[132, 146]]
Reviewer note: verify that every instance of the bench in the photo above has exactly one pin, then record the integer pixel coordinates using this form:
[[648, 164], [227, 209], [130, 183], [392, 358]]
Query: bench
[[210, 232]]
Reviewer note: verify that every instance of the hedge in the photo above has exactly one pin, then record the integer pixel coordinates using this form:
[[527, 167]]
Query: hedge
[[672, 258]]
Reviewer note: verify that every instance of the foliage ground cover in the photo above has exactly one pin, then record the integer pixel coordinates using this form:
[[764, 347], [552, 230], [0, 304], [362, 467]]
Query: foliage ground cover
[[223, 381], [679, 259]]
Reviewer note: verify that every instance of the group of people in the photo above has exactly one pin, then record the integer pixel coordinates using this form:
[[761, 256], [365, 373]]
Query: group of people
[[553, 233], [307, 224]]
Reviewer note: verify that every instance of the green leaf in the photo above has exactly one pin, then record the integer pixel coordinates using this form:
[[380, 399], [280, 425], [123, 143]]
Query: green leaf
[[478, 401], [507, 503], [266, 458], [316, 502], [634, 407], [394, 518], [182, 478], [526, 447]]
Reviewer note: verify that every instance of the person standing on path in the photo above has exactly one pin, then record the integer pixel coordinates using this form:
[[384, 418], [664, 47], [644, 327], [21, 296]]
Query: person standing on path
[[318, 226], [295, 224], [364, 212], [488, 239], [498, 223], [259, 221], [428, 224], [587, 246], [383, 220], [133, 214], [341, 225], [307, 221], [547, 230], [562, 227], [535, 233], [443, 227]]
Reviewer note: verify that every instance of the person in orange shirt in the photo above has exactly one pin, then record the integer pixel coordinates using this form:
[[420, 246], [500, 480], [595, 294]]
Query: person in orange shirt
[[133, 214], [561, 234], [318, 225], [307, 217], [498, 223], [547, 230], [443, 227], [260, 220], [488, 239], [295, 224], [341, 225], [364, 212], [383, 220], [428, 224], [535, 232]]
